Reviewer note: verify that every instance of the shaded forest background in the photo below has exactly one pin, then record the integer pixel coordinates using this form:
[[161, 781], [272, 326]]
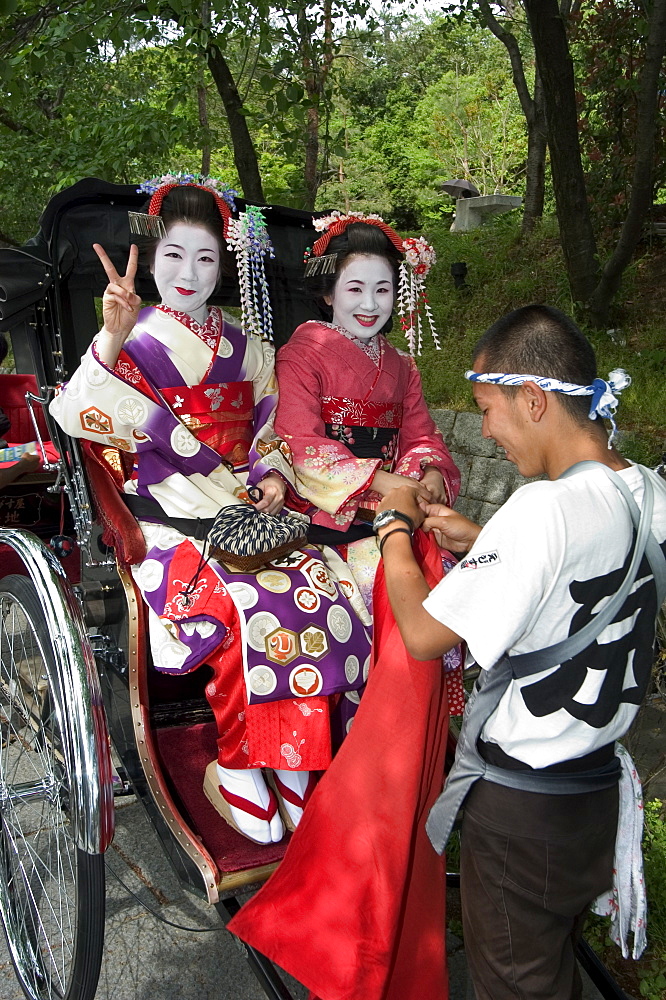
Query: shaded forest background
[[336, 103]]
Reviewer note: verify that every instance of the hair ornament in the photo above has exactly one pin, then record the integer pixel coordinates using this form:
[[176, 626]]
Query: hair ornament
[[604, 393], [174, 179], [319, 265], [151, 223], [146, 225], [248, 238], [418, 258]]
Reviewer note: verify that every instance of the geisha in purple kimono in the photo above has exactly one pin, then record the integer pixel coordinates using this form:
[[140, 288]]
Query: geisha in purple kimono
[[351, 405], [192, 398]]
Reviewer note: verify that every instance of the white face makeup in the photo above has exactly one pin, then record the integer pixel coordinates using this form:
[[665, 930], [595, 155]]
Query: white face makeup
[[187, 263], [363, 296]]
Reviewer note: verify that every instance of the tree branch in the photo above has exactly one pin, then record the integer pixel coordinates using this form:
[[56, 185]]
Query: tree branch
[[245, 155], [13, 125], [511, 45]]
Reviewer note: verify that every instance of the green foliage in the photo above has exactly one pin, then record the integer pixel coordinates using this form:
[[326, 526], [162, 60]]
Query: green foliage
[[654, 852], [453, 852], [428, 103]]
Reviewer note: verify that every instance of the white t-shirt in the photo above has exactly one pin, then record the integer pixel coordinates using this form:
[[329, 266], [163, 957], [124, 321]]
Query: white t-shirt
[[540, 569]]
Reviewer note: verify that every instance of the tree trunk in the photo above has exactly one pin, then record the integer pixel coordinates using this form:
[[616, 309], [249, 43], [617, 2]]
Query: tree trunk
[[310, 173], [640, 200], [537, 144], [202, 99], [203, 122], [245, 155], [535, 117], [556, 71], [316, 69]]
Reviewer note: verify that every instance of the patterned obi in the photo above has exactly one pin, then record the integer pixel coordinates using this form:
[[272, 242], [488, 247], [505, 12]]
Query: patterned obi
[[367, 429], [219, 414]]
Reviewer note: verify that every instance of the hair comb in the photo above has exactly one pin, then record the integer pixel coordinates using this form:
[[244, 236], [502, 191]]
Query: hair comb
[[147, 225], [320, 265]]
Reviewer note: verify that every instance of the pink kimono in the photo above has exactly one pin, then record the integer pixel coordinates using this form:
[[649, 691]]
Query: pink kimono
[[345, 417]]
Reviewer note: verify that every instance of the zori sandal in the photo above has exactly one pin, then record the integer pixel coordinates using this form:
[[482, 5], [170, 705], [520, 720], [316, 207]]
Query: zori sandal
[[292, 801], [262, 825]]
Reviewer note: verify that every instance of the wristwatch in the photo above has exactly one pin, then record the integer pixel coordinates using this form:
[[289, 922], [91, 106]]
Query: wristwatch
[[386, 516]]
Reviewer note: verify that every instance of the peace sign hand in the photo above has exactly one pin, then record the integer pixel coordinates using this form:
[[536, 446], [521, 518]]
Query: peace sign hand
[[120, 305]]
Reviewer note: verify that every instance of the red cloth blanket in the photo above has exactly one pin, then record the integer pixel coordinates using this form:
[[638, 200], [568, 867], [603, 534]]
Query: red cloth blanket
[[356, 909]]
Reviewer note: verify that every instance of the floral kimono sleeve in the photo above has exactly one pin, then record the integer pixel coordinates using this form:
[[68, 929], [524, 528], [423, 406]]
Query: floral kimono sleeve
[[421, 443], [98, 405], [268, 452], [327, 472]]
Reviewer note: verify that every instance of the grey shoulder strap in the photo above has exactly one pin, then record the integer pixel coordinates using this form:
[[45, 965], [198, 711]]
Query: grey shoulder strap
[[653, 485], [523, 665]]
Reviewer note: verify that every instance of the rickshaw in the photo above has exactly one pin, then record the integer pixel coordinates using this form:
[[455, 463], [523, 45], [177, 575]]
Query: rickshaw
[[76, 676]]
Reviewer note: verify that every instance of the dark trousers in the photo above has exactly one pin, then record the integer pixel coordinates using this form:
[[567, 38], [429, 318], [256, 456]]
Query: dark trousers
[[530, 866]]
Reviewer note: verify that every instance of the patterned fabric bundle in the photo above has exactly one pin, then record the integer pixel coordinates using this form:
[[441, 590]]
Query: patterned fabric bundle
[[246, 538]]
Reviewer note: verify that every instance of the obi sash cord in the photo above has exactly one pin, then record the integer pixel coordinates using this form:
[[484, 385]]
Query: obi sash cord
[[356, 909], [469, 766]]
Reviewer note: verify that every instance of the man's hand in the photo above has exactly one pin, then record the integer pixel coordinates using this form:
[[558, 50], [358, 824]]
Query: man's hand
[[28, 462], [406, 500], [452, 531], [274, 488]]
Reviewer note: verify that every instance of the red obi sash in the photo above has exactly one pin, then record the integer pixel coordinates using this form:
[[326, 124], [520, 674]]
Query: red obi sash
[[219, 414], [358, 413]]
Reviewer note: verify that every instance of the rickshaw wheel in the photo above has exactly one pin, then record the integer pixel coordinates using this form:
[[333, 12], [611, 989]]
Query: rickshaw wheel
[[51, 892]]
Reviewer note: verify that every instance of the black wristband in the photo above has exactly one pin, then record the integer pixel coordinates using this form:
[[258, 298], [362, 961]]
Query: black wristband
[[396, 531], [395, 515]]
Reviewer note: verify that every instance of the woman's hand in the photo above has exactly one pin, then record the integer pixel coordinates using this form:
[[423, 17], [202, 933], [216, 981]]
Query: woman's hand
[[452, 531], [274, 488], [384, 482], [432, 479], [406, 500], [120, 305]]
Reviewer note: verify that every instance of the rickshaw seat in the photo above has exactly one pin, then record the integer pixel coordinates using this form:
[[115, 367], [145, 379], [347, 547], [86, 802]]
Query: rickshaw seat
[[12, 400], [107, 470]]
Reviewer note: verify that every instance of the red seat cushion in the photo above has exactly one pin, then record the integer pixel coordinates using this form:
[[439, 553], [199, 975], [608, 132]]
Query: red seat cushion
[[106, 474], [12, 400]]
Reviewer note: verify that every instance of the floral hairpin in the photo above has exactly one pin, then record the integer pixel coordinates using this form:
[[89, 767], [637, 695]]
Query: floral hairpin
[[175, 179], [248, 237], [418, 259], [326, 221]]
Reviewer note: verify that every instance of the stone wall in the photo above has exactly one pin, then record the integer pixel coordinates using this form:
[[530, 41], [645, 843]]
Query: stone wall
[[488, 478]]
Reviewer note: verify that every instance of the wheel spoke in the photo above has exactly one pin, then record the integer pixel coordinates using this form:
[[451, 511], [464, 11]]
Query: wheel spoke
[[40, 865]]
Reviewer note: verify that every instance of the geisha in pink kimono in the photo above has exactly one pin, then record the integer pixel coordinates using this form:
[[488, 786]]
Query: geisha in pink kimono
[[192, 398], [351, 405]]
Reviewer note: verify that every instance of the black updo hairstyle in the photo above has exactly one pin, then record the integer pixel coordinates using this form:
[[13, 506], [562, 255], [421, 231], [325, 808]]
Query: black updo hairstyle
[[358, 239], [194, 207]]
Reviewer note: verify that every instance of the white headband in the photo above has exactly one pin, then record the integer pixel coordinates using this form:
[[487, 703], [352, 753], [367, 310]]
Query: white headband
[[604, 394]]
